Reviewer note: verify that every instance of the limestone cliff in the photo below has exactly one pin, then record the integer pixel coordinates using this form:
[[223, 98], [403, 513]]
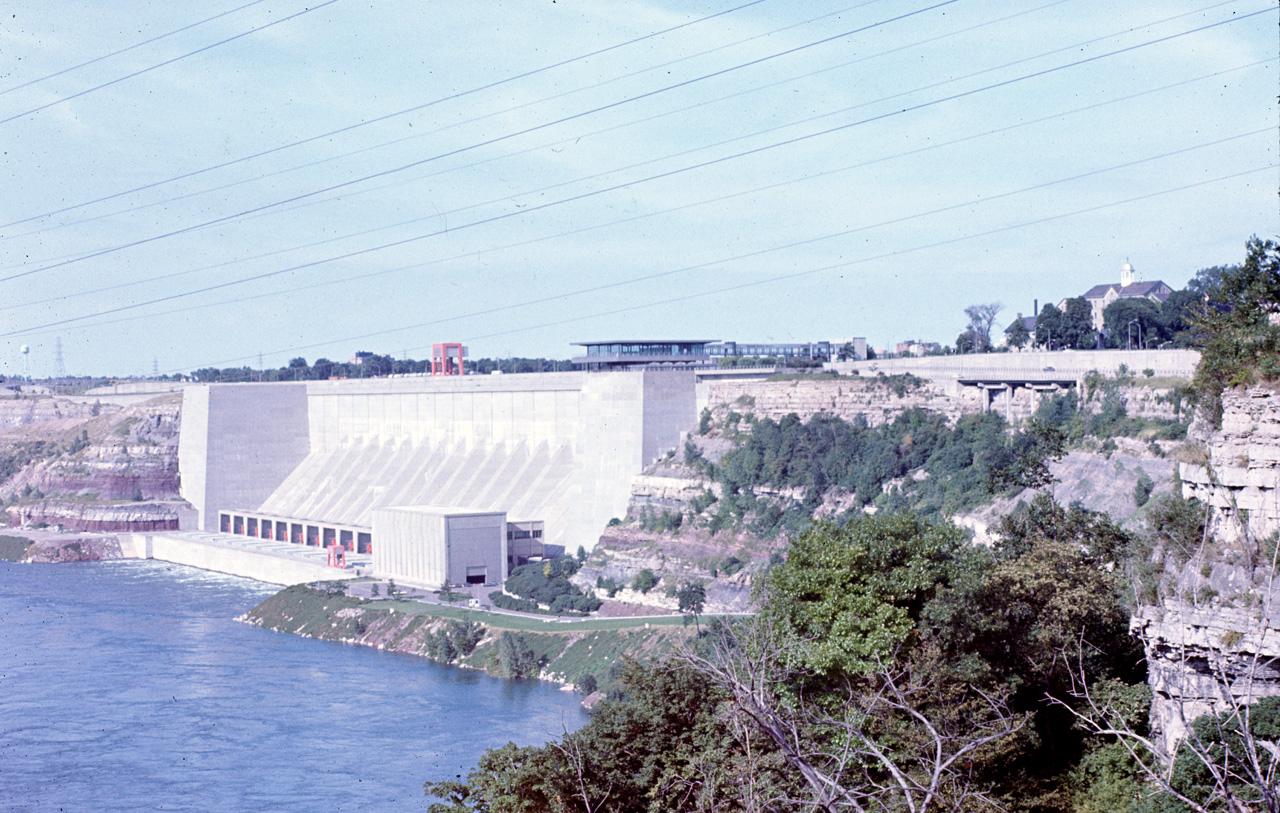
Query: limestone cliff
[[91, 466], [874, 399], [1241, 477], [1214, 635], [882, 398]]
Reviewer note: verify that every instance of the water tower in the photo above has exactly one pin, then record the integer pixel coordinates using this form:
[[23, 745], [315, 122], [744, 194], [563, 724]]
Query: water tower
[[26, 361]]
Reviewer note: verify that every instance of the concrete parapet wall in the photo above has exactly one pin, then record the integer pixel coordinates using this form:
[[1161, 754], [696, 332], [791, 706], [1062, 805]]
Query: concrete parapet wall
[[1180, 363], [209, 555]]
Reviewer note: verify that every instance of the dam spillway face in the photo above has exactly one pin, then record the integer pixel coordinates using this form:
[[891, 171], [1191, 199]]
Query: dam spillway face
[[554, 448]]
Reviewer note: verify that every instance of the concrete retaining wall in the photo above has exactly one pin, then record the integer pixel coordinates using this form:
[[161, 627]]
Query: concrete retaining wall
[[207, 554], [1181, 363]]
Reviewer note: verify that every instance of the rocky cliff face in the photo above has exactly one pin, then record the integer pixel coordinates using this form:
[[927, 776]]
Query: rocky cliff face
[[875, 399], [881, 399], [1241, 478], [91, 466], [1202, 658], [1214, 638]]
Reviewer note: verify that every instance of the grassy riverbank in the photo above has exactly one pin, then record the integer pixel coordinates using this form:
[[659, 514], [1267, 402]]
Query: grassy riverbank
[[503, 645], [14, 548]]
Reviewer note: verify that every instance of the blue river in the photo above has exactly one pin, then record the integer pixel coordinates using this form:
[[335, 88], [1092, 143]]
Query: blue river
[[129, 686]]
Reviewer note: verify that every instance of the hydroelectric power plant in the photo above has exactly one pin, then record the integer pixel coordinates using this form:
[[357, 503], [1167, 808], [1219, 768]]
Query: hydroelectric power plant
[[356, 465]]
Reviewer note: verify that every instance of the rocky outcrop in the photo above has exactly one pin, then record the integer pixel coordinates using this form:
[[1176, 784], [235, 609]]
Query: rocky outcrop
[[139, 516], [1241, 477], [90, 467], [882, 398], [1203, 659], [51, 412], [120, 454], [623, 552], [73, 549], [874, 399], [1214, 638], [658, 493]]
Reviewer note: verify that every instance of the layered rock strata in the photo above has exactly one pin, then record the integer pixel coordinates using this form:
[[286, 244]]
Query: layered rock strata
[[1241, 478], [1214, 640]]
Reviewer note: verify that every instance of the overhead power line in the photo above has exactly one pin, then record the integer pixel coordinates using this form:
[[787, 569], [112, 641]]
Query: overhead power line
[[470, 147], [887, 255], [135, 46], [752, 284], [585, 229], [365, 251], [509, 110], [61, 297], [737, 258], [594, 133], [151, 68], [414, 109]]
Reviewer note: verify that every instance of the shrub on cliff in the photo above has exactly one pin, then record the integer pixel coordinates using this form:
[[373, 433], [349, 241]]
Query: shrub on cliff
[[1240, 345]]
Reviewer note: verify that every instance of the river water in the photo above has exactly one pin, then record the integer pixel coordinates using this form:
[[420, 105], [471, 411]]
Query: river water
[[128, 686]]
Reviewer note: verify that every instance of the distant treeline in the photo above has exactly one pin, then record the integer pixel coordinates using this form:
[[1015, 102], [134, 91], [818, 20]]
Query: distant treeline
[[372, 366]]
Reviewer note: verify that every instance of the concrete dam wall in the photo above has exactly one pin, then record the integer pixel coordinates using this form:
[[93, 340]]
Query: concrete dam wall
[[555, 448]]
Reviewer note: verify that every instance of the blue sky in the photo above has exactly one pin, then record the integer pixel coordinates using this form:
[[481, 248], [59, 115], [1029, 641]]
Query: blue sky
[[573, 171]]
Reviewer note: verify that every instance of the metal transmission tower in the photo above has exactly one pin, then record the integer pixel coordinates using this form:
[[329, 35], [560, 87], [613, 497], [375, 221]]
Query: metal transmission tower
[[59, 368]]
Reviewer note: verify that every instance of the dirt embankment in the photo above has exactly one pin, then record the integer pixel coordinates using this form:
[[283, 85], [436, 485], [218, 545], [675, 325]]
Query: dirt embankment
[[47, 548]]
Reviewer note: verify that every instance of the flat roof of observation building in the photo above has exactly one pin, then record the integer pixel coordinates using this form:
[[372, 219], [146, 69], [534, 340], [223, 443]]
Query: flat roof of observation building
[[645, 342], [638, 353]]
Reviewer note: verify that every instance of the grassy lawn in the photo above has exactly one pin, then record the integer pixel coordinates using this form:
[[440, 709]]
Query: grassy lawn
[[13, 548], [511, 622]]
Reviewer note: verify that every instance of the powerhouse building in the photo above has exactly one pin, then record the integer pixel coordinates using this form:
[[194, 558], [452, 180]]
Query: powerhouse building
[[406, 467]]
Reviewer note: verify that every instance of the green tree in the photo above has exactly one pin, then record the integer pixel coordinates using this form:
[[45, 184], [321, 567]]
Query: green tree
[[1049, 332], [1178, 315], [516, 659], [851, 593], [691, 598], [1145, 316], [1017, 335], [1076, 325], [1241, 344], [644, 581]]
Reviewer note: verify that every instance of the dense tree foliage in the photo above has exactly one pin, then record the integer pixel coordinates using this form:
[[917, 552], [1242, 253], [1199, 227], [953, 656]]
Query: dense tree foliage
[[951, 467], [886, 634], [371, 365], [547, 584], [1240, 343], [1071, 327], [1017, 334], [1133, 323]]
